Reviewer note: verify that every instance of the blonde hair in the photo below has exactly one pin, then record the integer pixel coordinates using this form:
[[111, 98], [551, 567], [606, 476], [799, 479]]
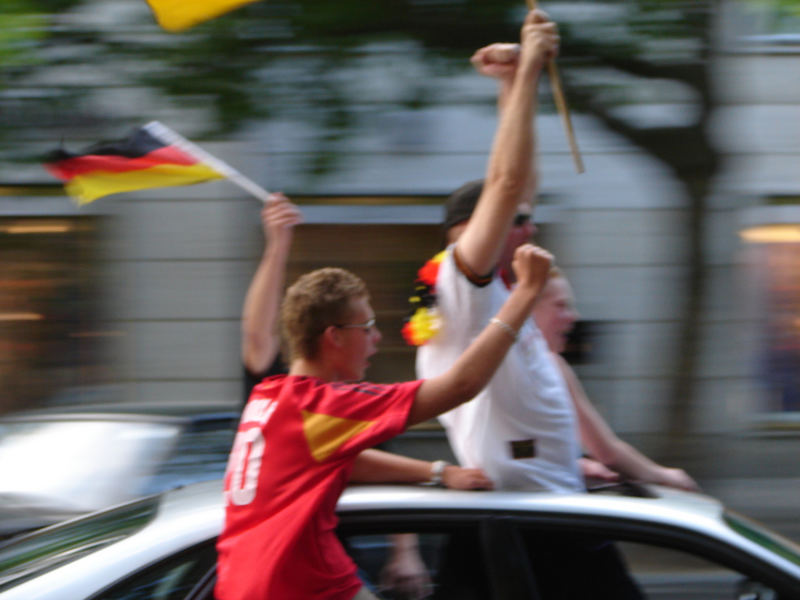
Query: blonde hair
[[313, 303], [554, 273]]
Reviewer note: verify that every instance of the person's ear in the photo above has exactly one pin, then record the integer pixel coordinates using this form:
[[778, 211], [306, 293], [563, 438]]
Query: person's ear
[[331, 337]]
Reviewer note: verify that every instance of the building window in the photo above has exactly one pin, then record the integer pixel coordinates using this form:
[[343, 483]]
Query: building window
[[50, 308], [772, 251]]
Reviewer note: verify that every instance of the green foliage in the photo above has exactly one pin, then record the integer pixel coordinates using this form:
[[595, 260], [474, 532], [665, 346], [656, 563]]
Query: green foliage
[[297, 59], [21, 29], [281, 57], [791, 7]]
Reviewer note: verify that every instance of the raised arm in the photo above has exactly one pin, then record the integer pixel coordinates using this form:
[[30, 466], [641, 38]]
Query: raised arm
[[604, 445], [260, 337], [510, 177], [476, 366]]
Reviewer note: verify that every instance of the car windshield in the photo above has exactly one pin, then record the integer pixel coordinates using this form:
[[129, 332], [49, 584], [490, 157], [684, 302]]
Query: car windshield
[[34, 554], [81, 464], [763, 537]]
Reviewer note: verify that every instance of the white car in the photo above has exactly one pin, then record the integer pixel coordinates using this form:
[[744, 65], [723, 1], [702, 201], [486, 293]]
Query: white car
[[676, 545], [59, 463]]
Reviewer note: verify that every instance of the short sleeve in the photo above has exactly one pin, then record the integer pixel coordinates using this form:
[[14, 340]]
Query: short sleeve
[[343, 419], [464, 306]]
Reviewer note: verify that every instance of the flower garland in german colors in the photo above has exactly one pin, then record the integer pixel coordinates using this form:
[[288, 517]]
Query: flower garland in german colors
[[424, 321]]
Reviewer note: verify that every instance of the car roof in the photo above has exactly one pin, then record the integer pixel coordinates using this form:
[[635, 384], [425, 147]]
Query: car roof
[[194, 514], [129, 411], [662, 504]]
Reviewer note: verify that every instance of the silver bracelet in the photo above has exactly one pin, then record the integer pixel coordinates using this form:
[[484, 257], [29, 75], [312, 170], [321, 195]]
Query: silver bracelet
[[505, 327]]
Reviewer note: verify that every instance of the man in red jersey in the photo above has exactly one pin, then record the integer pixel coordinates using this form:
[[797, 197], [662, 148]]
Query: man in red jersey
[[300, 433], [404, 571]]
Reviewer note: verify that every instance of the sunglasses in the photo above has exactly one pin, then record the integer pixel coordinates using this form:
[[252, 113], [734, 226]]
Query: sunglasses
[[521, 219], [366, 326]]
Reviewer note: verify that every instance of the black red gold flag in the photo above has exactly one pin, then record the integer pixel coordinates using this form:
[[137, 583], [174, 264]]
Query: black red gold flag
[[145, 159]]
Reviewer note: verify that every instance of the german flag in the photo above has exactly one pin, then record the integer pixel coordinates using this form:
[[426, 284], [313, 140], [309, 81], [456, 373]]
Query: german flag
[[146, 159]]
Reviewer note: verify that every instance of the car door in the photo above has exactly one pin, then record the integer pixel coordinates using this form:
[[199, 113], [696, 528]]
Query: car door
[[647, 561]]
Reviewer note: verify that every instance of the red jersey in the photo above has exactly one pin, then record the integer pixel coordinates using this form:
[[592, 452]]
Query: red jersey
[[291, 459]]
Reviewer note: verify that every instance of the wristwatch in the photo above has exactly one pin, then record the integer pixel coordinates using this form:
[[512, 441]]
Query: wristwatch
[[437, 471]]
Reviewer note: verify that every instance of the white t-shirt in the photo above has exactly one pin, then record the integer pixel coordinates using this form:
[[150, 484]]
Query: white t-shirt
[[525, 410]]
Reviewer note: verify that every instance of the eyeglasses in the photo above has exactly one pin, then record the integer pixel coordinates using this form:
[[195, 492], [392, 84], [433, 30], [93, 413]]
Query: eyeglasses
[[366, 325], [521, 219]]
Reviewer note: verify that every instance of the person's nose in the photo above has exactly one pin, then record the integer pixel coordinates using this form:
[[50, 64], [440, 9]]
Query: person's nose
[[573, 316]]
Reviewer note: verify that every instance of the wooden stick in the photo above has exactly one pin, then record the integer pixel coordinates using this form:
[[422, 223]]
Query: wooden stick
[[561, 106]]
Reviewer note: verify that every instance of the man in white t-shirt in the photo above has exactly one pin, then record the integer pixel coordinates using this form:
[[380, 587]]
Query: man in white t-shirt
[[521, 429], [525, 428]]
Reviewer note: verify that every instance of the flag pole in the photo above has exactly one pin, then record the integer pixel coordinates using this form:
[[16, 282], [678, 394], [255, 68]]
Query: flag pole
[[171, 137], [561, 106]]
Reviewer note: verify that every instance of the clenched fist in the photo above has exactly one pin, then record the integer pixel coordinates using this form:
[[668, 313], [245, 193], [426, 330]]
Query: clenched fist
[[531, 266]]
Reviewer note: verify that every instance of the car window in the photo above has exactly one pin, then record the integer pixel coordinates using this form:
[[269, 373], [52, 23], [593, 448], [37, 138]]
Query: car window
[[667, 573], [32, 555], [468, 556], [625, 569], [170, 579], [450, 560]]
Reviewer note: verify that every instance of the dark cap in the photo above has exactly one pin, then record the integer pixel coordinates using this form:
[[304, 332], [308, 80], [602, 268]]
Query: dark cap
[[459, 205]]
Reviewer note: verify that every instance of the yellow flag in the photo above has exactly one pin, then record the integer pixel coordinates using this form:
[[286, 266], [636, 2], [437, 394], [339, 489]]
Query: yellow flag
[[177, 15]]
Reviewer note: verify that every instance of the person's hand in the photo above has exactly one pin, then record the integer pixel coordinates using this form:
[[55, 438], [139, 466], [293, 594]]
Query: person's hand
[[405, 574], [497, 60], [676, 478], [459, 478], [539, 40], [279, 216], [593, 469], [531, 266]]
